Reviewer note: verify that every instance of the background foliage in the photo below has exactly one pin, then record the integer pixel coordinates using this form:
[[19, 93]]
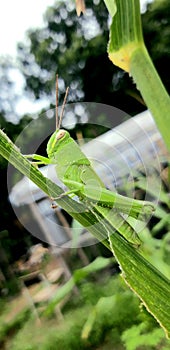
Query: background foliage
[[78, 54]]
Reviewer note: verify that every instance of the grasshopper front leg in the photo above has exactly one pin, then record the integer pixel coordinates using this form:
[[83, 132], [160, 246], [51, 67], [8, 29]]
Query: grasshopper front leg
[[39, 159]]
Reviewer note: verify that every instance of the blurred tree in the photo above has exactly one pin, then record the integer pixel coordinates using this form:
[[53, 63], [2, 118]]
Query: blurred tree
[[75, 47], [69, 45], [9, 79], [156, 26], [6, 86]]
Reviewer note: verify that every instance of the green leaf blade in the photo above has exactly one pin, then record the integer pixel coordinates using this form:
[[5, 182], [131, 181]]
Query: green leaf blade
[[149, 284], [146, 281], [125, 32]]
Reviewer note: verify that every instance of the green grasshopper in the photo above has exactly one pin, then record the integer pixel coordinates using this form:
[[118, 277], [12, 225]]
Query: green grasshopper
[[75, 171]]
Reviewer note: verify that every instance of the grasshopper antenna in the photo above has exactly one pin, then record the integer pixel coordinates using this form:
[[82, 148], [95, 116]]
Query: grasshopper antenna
[[57, 121], [63, 106]]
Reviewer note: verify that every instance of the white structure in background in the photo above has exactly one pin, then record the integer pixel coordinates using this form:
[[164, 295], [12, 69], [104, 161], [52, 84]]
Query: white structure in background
[[134, 145]]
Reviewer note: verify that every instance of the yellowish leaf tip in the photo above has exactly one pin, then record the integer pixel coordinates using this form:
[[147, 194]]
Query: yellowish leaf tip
[[122, 57]]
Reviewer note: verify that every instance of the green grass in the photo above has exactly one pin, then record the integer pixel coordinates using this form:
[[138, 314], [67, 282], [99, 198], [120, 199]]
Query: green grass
[[114, 315]]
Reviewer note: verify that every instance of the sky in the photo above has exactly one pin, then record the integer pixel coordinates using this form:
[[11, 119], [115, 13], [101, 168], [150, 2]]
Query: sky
[[16, 17]]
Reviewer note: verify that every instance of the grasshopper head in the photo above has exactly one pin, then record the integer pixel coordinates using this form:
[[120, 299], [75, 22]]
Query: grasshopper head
[[58, 139]]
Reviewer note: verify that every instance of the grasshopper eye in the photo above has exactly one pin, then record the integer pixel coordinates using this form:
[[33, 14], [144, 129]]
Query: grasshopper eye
[[60, 134]]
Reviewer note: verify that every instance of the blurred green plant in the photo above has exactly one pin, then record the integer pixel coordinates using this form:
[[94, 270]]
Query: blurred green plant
[[136, 270], [140, 336], [155, 237], [13, 326], [98, 319], [78, 275]]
